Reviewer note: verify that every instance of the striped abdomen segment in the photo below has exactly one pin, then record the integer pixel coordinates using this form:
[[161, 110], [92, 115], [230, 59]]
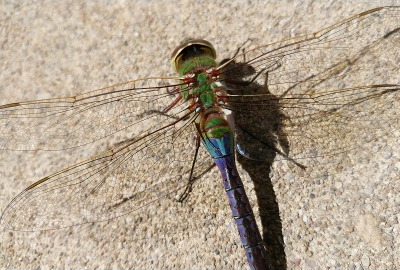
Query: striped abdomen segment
[[242, 213], [218, 138]]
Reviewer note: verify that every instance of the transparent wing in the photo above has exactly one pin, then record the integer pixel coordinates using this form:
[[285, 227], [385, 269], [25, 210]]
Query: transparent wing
[[319, 94], [155, 161], [110, 184], [61, 123]]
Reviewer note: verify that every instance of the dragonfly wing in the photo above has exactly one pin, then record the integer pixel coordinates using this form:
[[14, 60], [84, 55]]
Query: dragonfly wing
[[319, 125], [110, 184], [61, 123], [306, 98], [358, 45]]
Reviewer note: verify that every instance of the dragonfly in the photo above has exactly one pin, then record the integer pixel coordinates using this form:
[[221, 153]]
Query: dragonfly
[[296, 100]]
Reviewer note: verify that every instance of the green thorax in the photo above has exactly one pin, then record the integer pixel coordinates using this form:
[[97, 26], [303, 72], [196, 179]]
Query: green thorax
[[202, 87], [212, 123]]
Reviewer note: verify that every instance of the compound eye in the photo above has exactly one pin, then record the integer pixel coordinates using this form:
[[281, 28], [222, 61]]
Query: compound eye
[[191, 48]]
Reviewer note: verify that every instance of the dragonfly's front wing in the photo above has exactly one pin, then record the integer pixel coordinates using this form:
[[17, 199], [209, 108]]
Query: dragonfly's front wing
[[62, 123]]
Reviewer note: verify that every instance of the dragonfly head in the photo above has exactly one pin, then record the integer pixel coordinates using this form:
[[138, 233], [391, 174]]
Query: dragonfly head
[[189, 49]]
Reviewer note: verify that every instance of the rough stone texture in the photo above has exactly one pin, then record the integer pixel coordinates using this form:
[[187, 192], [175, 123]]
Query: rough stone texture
[[348, 220]]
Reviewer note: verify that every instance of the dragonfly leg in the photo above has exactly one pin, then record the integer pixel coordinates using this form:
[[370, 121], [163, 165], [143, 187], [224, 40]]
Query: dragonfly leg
[[178, 98], [191, 180], [226, 62], [267, 69]]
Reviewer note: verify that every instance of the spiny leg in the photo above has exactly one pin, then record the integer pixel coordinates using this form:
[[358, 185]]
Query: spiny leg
[[189, 185]]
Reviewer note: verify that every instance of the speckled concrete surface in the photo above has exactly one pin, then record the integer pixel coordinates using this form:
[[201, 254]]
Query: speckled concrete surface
[[348, 219]]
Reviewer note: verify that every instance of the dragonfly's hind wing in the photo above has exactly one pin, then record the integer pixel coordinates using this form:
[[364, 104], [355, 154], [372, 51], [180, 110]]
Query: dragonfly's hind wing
[[110, 184], [315, 125], [338, 121]]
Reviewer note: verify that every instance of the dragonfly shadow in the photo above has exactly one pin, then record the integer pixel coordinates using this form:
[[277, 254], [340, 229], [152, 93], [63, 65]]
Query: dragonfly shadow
[[259, 172], [257, 125]]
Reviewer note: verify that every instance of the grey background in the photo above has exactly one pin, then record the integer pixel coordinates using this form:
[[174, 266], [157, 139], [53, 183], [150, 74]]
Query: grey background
[[51, 49]]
